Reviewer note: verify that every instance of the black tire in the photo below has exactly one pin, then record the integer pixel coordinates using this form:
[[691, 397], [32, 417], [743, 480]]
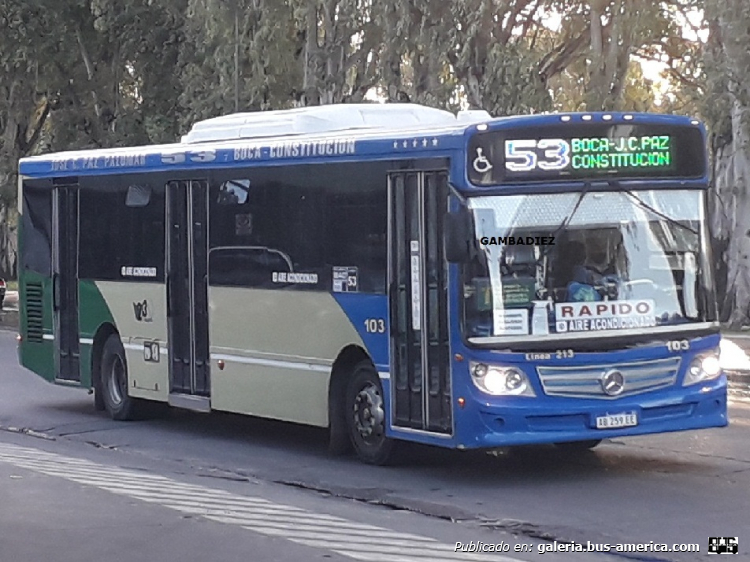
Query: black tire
[[114, 382], [364, 394], [578, 446], [99, 405]]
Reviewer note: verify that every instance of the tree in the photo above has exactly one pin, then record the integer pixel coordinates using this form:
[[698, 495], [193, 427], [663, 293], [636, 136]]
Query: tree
[[237, 56], [26, 103], [728, 107], [590, 64], [569, 90]]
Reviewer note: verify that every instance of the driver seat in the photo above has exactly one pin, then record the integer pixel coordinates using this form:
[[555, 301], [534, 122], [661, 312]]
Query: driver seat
[[519, 262]]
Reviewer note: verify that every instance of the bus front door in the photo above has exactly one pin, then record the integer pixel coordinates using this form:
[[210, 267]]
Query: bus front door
[[187, 295], [417, 280], [65, 279]]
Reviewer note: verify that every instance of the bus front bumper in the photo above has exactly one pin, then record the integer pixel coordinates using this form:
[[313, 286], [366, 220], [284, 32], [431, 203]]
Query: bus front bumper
[[528, 421]]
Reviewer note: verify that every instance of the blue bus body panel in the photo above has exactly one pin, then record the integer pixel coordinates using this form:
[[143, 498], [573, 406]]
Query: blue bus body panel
[[360, 307], [488, 421], [415, 144]]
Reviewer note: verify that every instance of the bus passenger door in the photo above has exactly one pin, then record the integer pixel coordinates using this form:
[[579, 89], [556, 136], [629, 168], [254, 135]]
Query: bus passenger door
[[187, 294], [65, 279], [417, 281]]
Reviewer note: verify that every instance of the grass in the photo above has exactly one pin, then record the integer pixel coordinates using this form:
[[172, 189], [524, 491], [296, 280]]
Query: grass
[[11, 285]]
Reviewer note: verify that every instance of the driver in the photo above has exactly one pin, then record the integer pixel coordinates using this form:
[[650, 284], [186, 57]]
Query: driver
[[598, 261], [596, 266]]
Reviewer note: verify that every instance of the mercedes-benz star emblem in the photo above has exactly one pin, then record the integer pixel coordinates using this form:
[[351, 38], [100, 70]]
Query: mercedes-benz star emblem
[[612, 382]]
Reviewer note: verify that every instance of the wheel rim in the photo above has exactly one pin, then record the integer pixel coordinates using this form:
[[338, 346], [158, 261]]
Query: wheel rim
[[369, 415], [117, 381]]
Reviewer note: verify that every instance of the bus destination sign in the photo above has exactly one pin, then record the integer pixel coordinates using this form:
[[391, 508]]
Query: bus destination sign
[[510, 156], [598, 153]]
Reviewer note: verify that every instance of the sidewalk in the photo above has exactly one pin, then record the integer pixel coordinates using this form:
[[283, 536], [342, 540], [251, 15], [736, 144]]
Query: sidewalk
[[9, 313], [735, 359], [11, 299]]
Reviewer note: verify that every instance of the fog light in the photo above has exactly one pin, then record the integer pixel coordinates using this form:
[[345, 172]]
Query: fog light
[[479, 370], [514, 381]]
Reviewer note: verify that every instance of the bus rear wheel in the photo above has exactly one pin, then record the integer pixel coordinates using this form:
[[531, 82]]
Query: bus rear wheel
[[114, 382], [578, 446], [365, 415]]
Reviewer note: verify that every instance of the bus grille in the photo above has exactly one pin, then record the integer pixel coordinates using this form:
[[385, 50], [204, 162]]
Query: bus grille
[[585, 381], [34, 313]]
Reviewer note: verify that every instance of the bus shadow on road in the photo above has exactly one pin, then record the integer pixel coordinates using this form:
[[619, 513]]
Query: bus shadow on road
[[255, 437]]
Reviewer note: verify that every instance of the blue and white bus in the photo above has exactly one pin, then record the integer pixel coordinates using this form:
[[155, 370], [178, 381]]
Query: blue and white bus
[[390, 272]]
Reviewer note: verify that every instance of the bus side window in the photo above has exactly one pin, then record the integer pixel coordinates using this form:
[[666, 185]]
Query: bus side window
[[138, 195], [233, 192], [247, 266]]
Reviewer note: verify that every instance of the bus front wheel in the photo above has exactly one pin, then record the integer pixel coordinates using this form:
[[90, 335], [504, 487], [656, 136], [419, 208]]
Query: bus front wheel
[[365, 415], [114, 381]]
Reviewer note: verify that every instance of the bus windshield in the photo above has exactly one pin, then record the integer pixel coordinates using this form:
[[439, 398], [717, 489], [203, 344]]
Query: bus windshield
[[569, 266]]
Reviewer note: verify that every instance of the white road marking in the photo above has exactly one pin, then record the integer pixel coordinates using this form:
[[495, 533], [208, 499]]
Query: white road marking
[[348, 538]]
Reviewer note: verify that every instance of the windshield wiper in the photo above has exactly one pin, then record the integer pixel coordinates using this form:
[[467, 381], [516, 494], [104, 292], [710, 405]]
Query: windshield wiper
[[566, 221], [641, 203]]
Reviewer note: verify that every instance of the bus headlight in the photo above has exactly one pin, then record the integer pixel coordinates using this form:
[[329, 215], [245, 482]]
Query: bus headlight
[[500, 381], [703, 368]]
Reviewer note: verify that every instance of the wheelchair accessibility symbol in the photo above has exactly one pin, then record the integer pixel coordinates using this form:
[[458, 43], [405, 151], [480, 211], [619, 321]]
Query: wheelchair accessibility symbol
[[481, 164]]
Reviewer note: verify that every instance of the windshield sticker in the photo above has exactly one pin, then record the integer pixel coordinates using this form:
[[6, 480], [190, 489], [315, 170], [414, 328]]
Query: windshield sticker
[[511, 322], [518, 292], [608, 315], [345, 280]]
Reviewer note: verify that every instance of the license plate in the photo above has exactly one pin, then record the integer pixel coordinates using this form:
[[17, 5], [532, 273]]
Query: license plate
[[616, 420]]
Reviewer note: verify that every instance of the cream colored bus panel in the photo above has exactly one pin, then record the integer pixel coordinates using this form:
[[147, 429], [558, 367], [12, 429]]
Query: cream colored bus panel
[[139, 310], [278, 348]]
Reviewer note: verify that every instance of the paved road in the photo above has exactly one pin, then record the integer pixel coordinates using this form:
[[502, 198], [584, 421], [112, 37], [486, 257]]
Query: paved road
[[79, 509], [675, 488]]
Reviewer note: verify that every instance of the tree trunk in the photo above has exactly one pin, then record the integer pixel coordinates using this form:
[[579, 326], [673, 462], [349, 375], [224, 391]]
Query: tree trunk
[[731, 209], [730, 218]]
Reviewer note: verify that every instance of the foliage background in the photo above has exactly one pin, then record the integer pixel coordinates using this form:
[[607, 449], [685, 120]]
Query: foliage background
[[99, 73]]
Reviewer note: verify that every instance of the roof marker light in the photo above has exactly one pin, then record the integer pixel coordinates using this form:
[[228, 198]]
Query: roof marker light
[[627, 117], [482, 127], [586, 117], [695, 122], [565, 118], [607, 117]]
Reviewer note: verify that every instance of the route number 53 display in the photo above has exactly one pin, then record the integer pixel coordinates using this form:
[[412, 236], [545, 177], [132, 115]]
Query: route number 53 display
[[528, 155]]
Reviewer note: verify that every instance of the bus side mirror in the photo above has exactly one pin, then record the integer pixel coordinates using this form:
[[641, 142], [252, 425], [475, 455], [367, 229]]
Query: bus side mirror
[[458, 237]]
